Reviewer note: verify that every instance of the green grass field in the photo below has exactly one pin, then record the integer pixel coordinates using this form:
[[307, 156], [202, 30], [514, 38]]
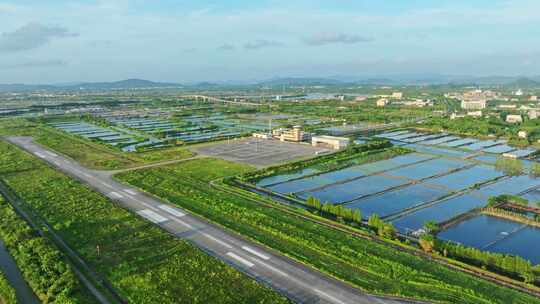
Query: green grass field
[[144, 263], [368, 265]]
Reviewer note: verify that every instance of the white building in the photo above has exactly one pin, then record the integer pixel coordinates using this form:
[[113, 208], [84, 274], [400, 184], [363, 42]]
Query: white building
[[533, 114], [397, 95], [473, 104], [262, 135], [512, 118], [333, 142], [475, 113], [296, 134], [382, 102]]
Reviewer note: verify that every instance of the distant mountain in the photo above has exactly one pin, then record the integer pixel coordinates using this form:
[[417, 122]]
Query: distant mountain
[[524, 83], [299, 81], [91, 86]]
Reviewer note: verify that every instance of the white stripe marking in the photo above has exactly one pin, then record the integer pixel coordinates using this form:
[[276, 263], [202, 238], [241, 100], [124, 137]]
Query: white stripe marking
[[274, 269], [129, 191], [152, 216], [240, 259], [144, 204], [107, 185], [40, 155], [51, 154], [116, 195], [222, 243], [255, 252], [329, 297], [171, 210], [183, 223]]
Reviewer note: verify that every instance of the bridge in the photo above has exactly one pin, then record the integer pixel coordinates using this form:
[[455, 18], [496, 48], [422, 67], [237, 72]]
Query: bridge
[[205, 98]]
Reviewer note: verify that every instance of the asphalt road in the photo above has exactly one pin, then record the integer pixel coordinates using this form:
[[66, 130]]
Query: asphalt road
[[298, 282]]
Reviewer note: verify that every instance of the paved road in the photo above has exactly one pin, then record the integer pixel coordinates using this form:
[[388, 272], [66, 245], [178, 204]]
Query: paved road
[[299, 283]]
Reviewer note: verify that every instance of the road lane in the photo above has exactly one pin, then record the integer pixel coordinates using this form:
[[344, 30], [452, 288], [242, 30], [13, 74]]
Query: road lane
[[300, 283]]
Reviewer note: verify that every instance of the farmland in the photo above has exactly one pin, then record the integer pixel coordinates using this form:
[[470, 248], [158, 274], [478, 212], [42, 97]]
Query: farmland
[[370, 266], [120, 246], [88, 153]]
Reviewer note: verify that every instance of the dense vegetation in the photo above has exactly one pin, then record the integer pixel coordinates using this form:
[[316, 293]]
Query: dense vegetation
[[7, 293], [366, 264], [41, 264], [88, 153], [513, 266], [144, 263]]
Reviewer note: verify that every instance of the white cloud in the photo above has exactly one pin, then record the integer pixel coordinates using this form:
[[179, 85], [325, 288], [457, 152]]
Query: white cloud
[[34, 64], [262, 44], [31, 36], [333, 38]]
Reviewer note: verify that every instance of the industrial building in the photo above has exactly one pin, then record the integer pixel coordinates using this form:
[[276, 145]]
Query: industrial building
[[296, 134], [332, 142]]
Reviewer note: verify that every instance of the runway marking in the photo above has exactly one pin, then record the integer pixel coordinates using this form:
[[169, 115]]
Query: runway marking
[[40, 155], [152, 216], [129, 191], [240, 259], [222, 243], [183, 223], [106, 185], [51, 154], [116, 195], [144, 204], [274, 269], [329, 297], [255, 252], [87, 175], [171, 210]]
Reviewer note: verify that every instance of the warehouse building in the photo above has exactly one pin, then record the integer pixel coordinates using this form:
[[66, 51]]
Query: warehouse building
[[332, 142]]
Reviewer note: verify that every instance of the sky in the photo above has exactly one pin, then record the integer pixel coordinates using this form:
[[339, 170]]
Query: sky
[[57, 41]]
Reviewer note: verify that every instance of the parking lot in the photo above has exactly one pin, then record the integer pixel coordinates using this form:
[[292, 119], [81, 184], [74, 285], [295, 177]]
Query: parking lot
[[258, 152]]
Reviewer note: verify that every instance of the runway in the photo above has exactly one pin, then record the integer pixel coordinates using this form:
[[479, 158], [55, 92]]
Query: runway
[[298, 282]]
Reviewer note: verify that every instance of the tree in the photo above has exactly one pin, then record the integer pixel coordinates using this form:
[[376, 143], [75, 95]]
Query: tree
[[432, 227], [387, 230], [374, 221], [357, 216], [535, 170]]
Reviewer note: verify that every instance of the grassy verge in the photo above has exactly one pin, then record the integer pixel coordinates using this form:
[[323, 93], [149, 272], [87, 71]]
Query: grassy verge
[[88, 153], [41, 264], [373, 267], [144, 263], [7, 293]]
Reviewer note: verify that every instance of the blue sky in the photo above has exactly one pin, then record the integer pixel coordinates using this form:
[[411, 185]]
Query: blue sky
[[188, 41]]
